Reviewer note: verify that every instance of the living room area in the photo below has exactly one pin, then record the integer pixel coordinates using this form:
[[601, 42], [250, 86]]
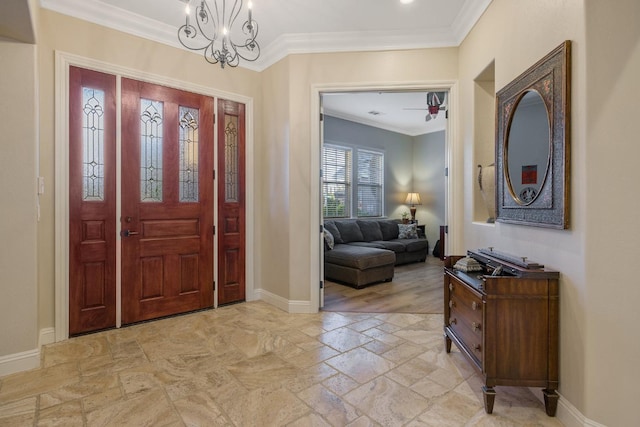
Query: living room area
[[377, 148], [383, 168]]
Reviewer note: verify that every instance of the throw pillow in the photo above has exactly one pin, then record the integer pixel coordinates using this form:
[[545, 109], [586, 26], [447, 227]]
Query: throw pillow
[[407, 231], [330, 226], [328, 239]]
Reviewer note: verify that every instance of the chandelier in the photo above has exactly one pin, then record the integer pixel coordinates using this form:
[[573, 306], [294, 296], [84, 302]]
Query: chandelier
[[215, 34]]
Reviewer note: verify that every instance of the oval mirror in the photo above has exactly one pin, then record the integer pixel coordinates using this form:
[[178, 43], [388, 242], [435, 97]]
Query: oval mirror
[[528, 148]]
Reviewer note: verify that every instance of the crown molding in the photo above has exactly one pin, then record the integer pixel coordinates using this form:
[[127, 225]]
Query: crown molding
[[466, 20], [287, 44], [355, 41]]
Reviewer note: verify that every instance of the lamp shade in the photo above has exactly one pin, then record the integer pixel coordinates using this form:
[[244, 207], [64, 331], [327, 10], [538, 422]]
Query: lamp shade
[[413, 199]]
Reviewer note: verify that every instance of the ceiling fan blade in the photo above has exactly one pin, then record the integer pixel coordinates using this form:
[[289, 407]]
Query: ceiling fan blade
[[427, 118]]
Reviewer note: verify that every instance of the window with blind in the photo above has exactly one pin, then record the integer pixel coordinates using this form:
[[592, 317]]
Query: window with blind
[[370, 179], [336, 181], [340, 167]]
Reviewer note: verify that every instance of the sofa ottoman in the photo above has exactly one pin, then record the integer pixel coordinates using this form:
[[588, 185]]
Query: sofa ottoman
[[359, 266]]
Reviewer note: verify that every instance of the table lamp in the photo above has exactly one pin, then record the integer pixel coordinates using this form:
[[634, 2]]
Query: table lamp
[[413, 199]]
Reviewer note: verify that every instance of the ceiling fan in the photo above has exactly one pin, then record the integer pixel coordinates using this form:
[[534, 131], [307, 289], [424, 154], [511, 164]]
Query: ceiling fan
[[436, 101]]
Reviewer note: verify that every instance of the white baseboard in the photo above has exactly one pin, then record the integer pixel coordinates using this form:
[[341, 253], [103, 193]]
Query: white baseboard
[[12, 363], [301, 307], [570, 416], [290, 306], [47, 336], [26, 360]]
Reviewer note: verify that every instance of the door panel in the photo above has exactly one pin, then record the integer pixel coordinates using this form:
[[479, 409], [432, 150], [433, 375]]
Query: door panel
[[231, 202], [92, 201], [167, 201]]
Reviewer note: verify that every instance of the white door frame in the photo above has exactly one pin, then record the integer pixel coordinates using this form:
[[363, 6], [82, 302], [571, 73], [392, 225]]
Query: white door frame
[[63, 61], [316, 145]]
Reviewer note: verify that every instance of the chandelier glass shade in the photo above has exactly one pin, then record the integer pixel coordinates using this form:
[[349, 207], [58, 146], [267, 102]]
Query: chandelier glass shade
[[215, 29]]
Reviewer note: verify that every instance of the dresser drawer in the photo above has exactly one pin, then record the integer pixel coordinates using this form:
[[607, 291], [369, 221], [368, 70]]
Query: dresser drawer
[[469, 308], [464, 300], [470, 334], [466, 318]]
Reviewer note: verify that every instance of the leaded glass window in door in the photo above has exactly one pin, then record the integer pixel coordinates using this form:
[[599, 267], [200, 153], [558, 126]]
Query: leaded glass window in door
[[231, 176], [189, 141], [92, 144], [151, 150]]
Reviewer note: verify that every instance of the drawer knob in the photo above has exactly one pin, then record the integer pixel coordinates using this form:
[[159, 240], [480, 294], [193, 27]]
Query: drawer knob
[[477, 348], [450, 287], [474, 305], [452, 304], [476, 326], [453, 321]]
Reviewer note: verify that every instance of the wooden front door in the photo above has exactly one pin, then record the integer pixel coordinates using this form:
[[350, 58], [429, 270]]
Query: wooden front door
[[92, 200], [167, 201], [231, 202]]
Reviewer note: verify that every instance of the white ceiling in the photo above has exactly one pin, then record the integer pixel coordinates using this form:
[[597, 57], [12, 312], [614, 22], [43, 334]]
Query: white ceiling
[[305, 26], [391, 108]]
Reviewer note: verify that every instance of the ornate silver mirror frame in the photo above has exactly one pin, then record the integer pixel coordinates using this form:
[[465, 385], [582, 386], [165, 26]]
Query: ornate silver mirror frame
[[550, 78]]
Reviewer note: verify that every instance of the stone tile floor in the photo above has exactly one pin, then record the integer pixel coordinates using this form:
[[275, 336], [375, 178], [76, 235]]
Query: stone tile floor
[[254, 365]]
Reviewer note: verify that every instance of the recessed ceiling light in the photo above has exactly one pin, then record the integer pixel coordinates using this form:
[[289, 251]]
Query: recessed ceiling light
[[406, 1]]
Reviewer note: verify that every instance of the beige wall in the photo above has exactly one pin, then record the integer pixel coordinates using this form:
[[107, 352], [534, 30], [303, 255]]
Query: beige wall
[[611, 211], [18, 208], [597, 372], [516, 34], [272, 160], [62, 33], [337, 69]]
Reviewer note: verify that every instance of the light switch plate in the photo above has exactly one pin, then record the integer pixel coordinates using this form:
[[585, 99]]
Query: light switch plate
[[40, 185]]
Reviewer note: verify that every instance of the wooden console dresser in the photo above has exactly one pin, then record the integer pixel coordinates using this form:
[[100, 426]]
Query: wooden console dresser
[[505, 324]]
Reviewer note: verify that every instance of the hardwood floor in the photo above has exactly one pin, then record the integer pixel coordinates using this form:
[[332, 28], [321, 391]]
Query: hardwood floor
[[415, 288]]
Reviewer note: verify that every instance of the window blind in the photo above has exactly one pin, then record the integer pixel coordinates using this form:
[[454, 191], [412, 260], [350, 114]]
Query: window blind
[[370, 183], [336, 181]]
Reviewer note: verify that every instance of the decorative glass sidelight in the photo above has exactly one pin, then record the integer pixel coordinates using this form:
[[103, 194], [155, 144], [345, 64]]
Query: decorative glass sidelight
[[151, 150], [92, 144], [189, 120], [231, 174]]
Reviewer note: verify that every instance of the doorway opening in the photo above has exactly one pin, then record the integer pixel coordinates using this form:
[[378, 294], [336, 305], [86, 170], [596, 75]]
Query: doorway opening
[[410, 128]]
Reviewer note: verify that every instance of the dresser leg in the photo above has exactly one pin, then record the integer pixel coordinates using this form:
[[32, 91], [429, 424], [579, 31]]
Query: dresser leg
[[489, 398], [447, 343], [550, 401]]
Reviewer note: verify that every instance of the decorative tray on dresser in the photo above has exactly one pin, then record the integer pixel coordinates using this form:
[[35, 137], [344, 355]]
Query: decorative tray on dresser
[[501, 311]]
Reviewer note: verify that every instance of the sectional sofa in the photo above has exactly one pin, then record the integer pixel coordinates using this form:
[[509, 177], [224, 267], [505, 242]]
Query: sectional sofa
[[362, 252]]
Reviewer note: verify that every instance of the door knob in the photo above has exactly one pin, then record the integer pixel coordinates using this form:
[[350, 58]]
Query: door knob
[[128, 233]]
